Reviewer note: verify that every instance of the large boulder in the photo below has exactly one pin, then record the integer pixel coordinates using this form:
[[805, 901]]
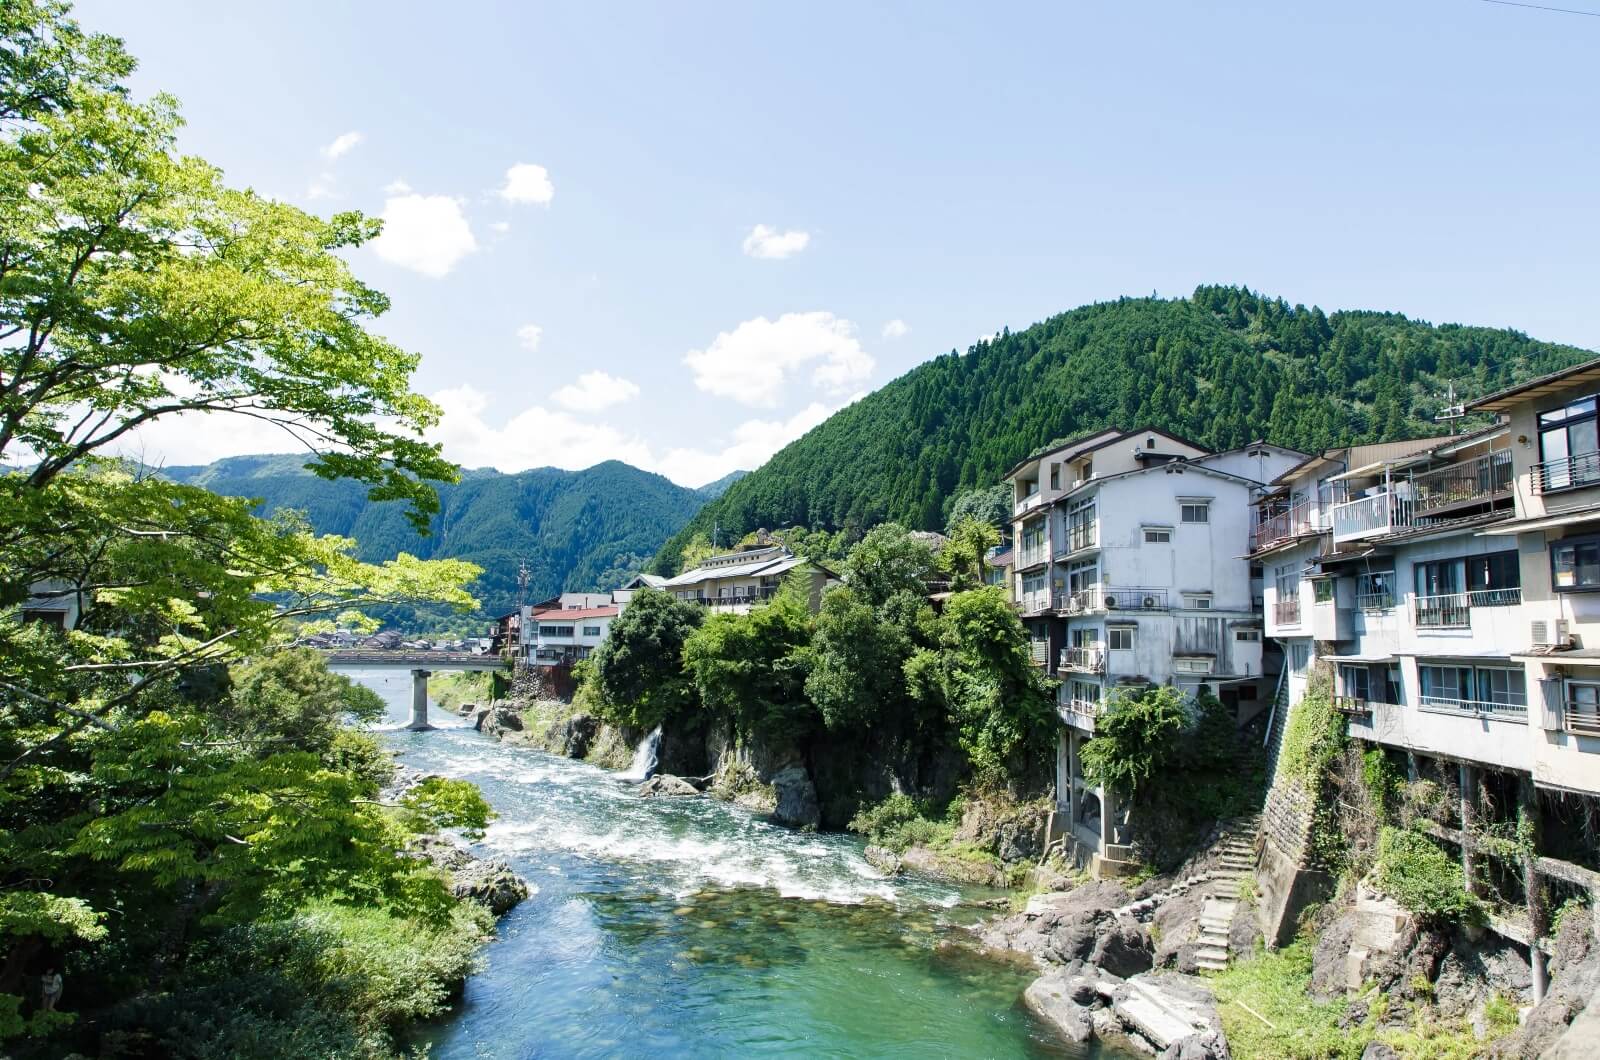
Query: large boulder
[[796, 798], [1065, 927], [1064, 1000], [1121, 947], [663, 784], [1176, 1014], [1475, 970], [491, 883]]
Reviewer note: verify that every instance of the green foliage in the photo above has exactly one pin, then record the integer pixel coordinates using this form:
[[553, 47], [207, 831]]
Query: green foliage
[[886, 562], [577, 530], [1384, 782], [962, 556], [900, 822], [753, 667], [1414, 871], [1136, 738], [856, 675], [1276, 987], [290, 699], [639, 668], [1315, 735], [1223, 366], [990, 505]]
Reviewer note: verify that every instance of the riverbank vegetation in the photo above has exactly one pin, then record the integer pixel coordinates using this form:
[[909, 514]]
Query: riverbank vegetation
[[177, 786], [880, 681]]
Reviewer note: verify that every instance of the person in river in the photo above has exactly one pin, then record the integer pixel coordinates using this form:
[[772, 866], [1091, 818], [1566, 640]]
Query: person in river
[[49, 990]]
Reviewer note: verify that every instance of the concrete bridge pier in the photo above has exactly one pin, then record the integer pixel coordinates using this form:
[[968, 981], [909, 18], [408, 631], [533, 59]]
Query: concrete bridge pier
[[419, 701]]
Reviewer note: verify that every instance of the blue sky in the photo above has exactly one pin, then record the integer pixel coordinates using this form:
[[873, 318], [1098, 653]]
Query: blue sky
[[952, 168]]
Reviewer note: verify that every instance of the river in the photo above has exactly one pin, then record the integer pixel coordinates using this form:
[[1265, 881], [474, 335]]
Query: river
[[688, 928]]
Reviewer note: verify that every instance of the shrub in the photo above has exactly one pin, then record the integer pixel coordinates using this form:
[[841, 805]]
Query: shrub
[[899, 822], [1415, 872], [1315, 735]]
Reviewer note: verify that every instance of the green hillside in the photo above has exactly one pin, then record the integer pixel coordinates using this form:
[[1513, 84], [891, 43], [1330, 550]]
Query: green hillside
[[1222, 367], [576, 529]]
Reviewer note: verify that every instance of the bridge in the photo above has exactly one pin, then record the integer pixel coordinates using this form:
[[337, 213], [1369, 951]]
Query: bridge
[[421, 664]]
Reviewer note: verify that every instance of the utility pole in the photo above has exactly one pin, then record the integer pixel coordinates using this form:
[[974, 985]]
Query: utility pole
[[1453, 410], [524, 575]]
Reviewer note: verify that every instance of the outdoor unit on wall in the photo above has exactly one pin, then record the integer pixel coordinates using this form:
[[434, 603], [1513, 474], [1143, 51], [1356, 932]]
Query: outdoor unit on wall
[[1111, 602], [1550, 634], [1150, 603]]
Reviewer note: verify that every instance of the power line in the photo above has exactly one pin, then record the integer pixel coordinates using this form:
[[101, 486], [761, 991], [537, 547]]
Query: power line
[[1542, 7]]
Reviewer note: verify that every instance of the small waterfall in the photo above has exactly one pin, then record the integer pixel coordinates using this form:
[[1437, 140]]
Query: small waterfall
[[644, 757]]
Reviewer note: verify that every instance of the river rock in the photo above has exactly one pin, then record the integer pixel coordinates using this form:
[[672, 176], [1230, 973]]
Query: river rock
[[797, 798], [491, 883], [477, 721], [1172, 1012], [1060, 928], [883, 859], [663, 784], [1122, 948], [1063, 1000]]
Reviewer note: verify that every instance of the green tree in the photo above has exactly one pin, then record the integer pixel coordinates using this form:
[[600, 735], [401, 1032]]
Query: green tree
[[1136, 738], [638, 669], [963, 555], [752, 668], [856, 677], [888, 560]]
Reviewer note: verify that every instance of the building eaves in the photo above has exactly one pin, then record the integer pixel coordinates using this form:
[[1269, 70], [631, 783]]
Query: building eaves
[[1058, 446], [1504, 400]]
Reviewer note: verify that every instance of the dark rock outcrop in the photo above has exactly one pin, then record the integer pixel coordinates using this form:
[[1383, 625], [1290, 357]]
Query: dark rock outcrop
[[797, 798], [489, 882], [1062, 928]]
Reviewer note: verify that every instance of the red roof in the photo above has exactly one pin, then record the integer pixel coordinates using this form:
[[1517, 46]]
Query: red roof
[[609, 611]]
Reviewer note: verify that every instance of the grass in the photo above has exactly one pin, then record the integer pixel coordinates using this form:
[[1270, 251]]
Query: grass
[[1275, 989]]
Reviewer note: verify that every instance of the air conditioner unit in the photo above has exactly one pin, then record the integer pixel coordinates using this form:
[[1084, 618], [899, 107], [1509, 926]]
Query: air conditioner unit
[[1111, 602], [1150, 603], [1550, 634]]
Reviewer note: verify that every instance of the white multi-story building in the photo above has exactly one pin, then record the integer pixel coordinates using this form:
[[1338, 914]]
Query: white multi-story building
[[561, 636], [1129, 570]]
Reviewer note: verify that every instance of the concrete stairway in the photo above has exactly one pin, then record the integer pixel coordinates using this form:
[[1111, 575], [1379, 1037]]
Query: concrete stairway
[[1235, 861]]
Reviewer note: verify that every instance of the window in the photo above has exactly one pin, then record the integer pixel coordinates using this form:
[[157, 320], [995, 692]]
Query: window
[[555, 631], [1299, 657], [1192, 664], [1149, 443], [1375, 590], [1080, 525], [1157, 535], [1322, 590], [1567, 446], [1120, 638], [591, 631], [1055, 476], [1196, 512], [1198, 601], [1575, 564], [1503, 688], [1458, 686], [1439, 578], [1583, 708], [1085, 638], [55, 619], [1247, 636], [1356, 682], [1498, 570]]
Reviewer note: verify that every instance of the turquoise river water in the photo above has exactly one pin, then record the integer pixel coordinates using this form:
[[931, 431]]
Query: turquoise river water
[[690, 928]]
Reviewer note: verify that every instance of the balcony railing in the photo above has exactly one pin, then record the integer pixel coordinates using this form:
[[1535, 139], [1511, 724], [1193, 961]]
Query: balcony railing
[[1501, 710], [1355, 706], [1581, 720], [1569, 472], [1375, 601], [1454, 610], [1039, 652], [747, 596], [1082, 708], [1414, 500], [1087, 660], [1034, 602], [1286, 609], [1111, 598], [1027, 504], [1307, 517]]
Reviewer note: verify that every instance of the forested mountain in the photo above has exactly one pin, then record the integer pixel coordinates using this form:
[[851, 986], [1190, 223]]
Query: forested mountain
[[712, 490], [576, 529], [1222, 367]]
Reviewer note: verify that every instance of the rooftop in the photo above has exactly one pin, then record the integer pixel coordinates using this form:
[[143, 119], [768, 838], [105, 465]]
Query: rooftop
[[1533, 389], [609, 611]]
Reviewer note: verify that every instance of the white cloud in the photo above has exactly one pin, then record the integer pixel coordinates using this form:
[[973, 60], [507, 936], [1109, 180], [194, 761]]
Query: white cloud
[[767, 242], [754, 441], [425, 233], [753, 362], [595, 391], [341, 145], [397, 187], [896, 329], [500, 227], [528, 336], [526, 182], [534, 437]]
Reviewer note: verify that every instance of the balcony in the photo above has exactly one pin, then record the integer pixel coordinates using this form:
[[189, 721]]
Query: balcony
[[1111, 598], [1567, 473], [1370, 602], [1454, 610], [1079, 712], [1027, 504], [1039, 652], [1581, 720], [1420, 498], [1497, 709], [1273, 529], [1286, 609], [1035, 602], [1091, 660], [746, 596]]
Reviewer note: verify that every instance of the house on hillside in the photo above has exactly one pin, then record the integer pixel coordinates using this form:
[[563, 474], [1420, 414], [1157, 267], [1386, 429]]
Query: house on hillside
[[1129, 570], [506, 633], [737, 581], [639, 581], [561, 636], [1447, 583], [54, 603]]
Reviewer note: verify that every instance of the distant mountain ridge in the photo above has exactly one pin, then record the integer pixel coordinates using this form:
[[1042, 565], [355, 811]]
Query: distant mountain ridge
[[712, 490], [585, 529], [1222, 367]]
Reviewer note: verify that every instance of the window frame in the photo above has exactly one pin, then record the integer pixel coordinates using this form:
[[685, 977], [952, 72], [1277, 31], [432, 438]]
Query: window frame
[[1158, 535], [1203, 508], [1590, 542], [1198, 601], [1127, 633]]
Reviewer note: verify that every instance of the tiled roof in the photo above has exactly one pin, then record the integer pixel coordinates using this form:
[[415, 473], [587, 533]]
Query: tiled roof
[[609, 611]]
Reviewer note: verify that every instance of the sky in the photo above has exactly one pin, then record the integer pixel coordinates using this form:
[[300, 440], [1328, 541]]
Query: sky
[[682, 234]]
